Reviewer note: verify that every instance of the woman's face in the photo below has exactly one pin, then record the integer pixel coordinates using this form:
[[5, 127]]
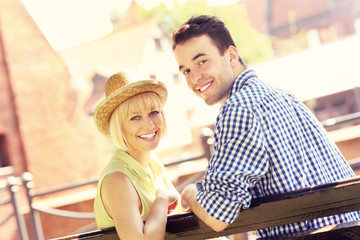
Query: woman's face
[[142, 131]]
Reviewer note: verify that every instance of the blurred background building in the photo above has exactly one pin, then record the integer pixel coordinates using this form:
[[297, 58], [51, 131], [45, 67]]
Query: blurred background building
[[47, 96]]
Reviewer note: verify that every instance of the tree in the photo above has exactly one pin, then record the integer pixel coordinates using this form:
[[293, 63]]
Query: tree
[[254, 47]]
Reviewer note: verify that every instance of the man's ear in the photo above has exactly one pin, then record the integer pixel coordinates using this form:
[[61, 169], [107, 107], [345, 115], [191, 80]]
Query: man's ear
[[234, 56]]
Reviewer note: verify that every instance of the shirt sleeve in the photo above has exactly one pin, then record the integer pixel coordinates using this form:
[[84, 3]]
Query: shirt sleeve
[[239, 162]]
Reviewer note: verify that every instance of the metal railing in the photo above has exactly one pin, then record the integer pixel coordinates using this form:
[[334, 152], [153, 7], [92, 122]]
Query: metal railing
[[12, 184], [26, 180], [341, 119], [35, 209]]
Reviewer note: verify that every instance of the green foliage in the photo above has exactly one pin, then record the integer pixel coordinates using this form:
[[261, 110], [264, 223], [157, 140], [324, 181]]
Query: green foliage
[[296, 43], [254, 47]]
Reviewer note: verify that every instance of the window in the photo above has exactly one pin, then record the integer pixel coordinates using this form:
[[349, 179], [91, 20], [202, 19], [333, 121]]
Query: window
[[176, 79], [357, 26], [4, 161], [158, 44]]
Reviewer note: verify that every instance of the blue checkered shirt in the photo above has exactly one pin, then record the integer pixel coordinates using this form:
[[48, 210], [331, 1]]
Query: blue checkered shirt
[[267, 142]]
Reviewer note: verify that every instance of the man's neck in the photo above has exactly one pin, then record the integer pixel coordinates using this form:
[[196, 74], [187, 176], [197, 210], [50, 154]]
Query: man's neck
[[239, 69]]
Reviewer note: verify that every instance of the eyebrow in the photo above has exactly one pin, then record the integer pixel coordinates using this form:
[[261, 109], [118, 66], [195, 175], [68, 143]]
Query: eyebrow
[[193, 59]]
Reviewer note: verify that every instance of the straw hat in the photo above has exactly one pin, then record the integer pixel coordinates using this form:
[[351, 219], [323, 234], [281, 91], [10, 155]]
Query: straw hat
[[118, 88]]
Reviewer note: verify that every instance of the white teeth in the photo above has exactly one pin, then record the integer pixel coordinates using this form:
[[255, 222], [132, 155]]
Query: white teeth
[[204, 87], [148, 136]]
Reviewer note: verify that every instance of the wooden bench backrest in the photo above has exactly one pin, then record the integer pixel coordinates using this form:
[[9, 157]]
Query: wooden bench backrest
[[304, 204]]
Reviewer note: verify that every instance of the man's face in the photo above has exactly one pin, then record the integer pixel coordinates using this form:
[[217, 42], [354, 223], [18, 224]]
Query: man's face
[[208, 74]]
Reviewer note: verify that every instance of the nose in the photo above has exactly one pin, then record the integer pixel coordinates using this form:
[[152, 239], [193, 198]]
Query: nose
[[195, 76], [149, 123]]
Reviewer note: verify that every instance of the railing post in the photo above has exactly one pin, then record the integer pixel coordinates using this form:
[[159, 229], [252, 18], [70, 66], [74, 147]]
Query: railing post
[[29, 184], [13, 187], [207, 139]]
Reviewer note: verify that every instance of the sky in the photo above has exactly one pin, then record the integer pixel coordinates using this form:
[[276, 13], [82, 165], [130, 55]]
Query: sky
[[67, 23]]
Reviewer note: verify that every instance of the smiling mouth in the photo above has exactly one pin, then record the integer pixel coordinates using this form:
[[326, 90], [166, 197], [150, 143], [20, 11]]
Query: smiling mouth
[[205, 87], [148, 136]]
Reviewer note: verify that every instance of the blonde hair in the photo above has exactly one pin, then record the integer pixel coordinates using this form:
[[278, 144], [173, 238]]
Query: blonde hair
[[141, 103]]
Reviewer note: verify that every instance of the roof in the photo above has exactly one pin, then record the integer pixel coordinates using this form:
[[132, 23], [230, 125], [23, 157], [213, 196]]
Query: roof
[[107, 53], [316, 72]]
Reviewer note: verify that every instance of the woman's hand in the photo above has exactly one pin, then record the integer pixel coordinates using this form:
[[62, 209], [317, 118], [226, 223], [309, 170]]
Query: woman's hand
[[172, 206], [171, 196]]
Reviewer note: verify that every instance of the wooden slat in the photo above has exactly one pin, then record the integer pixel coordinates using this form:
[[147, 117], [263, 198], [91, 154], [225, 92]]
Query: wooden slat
[[348, 231], [304, 204]]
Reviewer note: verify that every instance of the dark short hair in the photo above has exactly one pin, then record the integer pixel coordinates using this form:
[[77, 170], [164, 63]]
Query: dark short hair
[[204, 25]]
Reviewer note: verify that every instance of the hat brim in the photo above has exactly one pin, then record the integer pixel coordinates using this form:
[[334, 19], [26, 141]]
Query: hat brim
[[106, 107]]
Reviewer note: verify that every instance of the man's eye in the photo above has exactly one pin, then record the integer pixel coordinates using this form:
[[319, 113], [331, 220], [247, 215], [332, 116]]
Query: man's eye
[[186, 72], [202, 62]]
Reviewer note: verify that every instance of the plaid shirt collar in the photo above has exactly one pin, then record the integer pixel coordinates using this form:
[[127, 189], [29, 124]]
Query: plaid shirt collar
[[241, 79]]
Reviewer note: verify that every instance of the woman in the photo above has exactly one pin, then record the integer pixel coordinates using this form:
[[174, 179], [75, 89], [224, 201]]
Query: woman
[[134, 193]]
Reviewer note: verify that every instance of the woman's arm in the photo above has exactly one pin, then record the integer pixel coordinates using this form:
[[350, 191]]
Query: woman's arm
[[122, 203]]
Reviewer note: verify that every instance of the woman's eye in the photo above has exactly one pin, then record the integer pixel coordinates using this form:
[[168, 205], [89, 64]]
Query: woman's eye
[[154, 113], [135, 118]]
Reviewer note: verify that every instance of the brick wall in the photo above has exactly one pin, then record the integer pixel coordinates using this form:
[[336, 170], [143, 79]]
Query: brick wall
[[11, 142], [350, 148], [332, 17], [42, 117], [59, 138]]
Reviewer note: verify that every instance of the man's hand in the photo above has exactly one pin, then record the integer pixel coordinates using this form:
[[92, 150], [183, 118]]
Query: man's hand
[[188, 200], [187, 194]]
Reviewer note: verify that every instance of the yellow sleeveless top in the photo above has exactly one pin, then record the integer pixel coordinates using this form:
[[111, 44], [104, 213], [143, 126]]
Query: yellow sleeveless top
[[144, 182]]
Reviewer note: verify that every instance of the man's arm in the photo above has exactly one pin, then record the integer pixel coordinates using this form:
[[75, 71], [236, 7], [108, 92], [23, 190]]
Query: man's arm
[[188, 200]]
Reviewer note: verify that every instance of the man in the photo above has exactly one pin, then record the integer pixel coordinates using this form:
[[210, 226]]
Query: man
[[266, 140]]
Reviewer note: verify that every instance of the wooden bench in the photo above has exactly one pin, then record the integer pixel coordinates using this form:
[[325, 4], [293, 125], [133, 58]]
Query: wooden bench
[[295, 206]]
